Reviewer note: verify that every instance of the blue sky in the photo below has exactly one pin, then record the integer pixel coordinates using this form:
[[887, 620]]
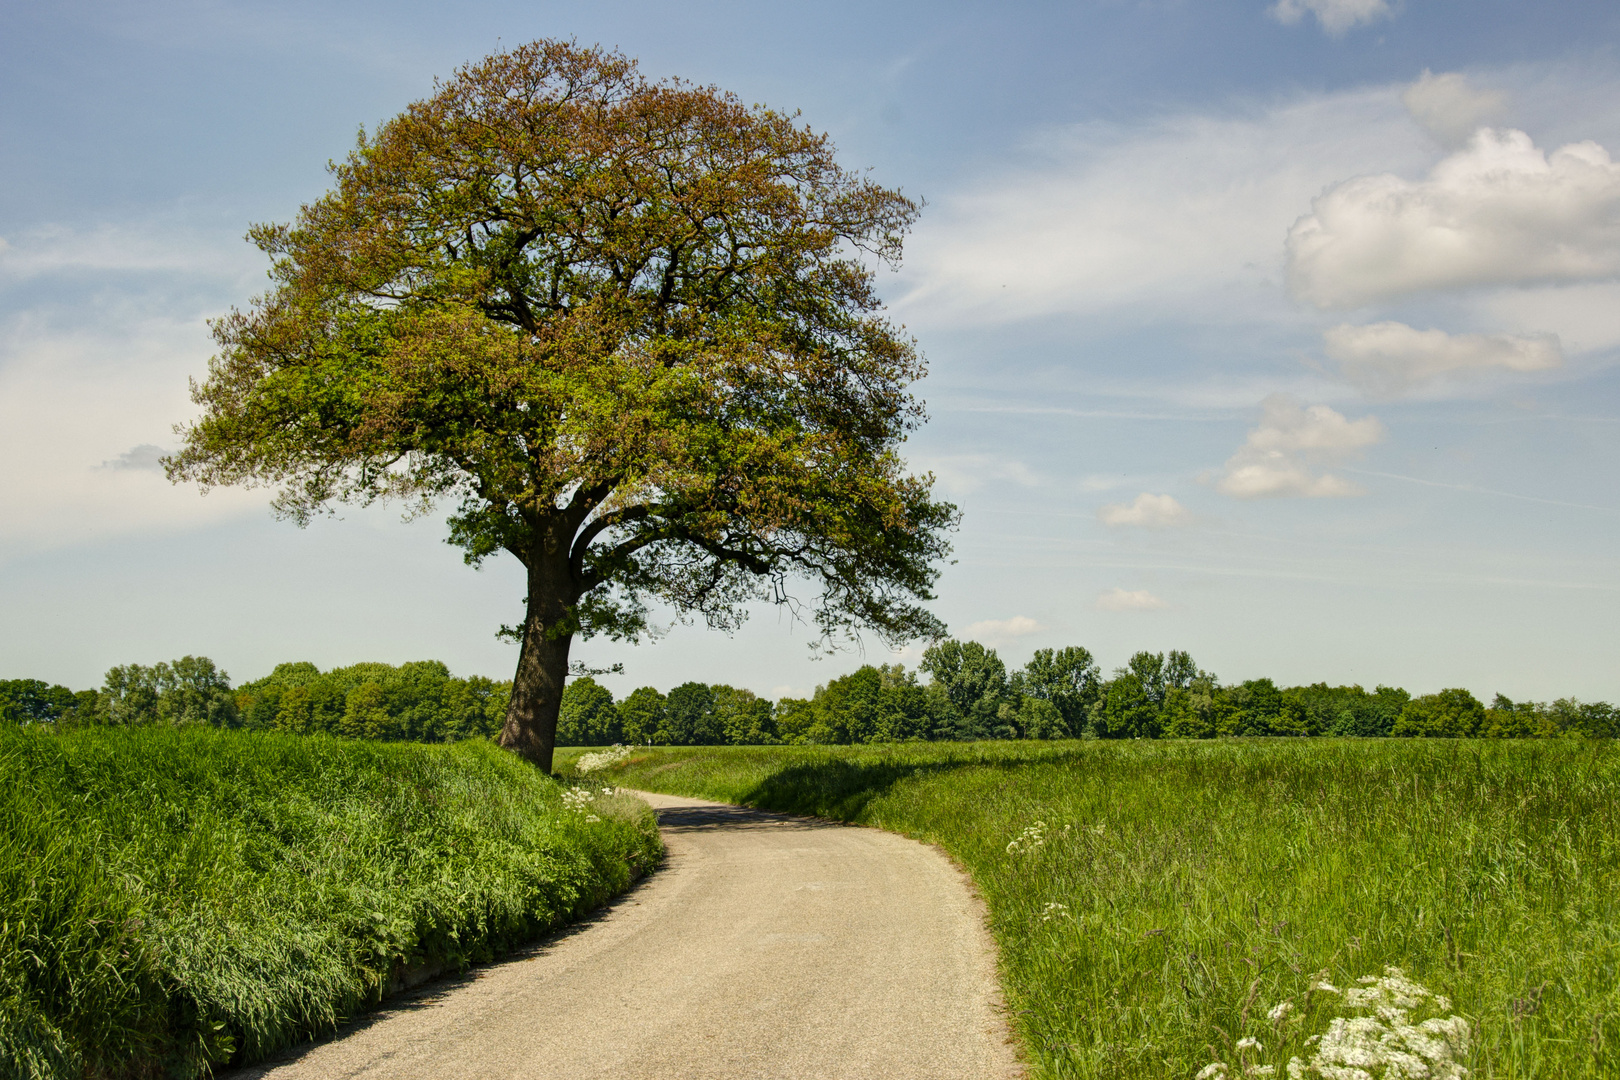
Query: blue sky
[[1287, 333]]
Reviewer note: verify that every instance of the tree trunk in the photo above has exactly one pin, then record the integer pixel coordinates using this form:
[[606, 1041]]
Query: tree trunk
[[531, 717]]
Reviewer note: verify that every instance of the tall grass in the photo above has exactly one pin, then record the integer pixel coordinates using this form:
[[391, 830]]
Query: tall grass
[[1154, 900], [172, 899]]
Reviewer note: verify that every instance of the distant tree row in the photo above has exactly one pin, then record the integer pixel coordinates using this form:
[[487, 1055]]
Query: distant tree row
[[418, 701], [1059, 694], [190, 690], [968, 694]]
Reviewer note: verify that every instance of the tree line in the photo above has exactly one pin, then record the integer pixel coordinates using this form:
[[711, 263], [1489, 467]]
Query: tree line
[[968, 694], [1060, 694], [419, 701]]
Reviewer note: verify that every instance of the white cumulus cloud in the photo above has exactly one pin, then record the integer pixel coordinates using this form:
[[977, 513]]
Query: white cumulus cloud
[[1449, 108], [1128, 600], [1498, 212], [996, 630], [1336, 16], [1178, 214], [1389, 358], [1278, 457], [1148, 511]]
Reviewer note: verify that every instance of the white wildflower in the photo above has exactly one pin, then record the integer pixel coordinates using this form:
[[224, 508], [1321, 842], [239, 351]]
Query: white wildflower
[[1054, 911], [1248, 1042], [1383, 1041], [601, 759], [1280, 1011], [1029, 840], [579, 800], [1211, 1071]]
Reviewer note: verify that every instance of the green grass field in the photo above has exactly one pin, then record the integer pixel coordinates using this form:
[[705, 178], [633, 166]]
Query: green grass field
[[174, 899], [1156, 902]]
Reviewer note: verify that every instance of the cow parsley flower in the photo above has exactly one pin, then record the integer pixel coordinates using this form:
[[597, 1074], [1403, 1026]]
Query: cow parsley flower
[[579, 800], [601, 759], [1383, 1042], [1030, 839]]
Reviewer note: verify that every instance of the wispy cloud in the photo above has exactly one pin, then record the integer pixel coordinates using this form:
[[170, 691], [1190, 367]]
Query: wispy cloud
[[963, 474], [1182, 213], [996, 631], [146, 457], [1127, 600], [1473, 489], [86, 399], [1387, 359], [162, 244], [1335, 16]]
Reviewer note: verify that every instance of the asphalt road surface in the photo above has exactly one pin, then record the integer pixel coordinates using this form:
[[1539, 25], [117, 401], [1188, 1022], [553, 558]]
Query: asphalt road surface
[[766, 946]]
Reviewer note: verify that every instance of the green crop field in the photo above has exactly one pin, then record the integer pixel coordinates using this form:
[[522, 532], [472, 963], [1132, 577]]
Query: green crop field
[[1164, 906], [175, 899]]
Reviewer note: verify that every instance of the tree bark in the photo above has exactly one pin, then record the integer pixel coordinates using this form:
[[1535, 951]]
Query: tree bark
[[542, 670]]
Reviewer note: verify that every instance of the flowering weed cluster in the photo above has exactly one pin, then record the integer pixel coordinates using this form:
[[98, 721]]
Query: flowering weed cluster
[[582, 800], [1378, 1040], [601, 759], [1033, 838]]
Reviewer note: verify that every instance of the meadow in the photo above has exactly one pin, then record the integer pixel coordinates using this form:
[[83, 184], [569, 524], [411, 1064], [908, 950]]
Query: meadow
[[1221, 908], [175, 899]]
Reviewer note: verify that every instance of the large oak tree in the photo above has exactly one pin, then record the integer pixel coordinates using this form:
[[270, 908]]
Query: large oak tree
[[628, 327]]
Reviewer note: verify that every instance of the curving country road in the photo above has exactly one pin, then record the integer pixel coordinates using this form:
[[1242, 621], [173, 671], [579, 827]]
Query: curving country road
[[767, 946]]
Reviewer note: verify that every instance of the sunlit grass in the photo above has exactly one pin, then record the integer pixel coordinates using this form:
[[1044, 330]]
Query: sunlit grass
[[173, 898], [1154, 901]]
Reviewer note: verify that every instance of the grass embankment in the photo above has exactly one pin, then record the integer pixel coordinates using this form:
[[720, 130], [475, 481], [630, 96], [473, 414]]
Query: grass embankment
[[172, 899], [1154, 901]]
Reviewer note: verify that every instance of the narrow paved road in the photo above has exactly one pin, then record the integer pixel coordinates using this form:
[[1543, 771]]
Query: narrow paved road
[[767, 946]]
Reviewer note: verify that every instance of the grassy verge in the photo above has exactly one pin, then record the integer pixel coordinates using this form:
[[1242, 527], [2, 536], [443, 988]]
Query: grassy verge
[[172, 899], [1157, 903]]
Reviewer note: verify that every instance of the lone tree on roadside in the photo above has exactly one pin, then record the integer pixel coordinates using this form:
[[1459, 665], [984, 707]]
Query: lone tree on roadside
[[629, 327]]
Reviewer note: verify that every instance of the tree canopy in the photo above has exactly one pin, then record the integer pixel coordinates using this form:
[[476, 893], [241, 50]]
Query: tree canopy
[[628, 328]]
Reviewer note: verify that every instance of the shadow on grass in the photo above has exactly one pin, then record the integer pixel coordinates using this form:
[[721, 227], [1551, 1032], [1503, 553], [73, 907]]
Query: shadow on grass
[[842, 789]]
